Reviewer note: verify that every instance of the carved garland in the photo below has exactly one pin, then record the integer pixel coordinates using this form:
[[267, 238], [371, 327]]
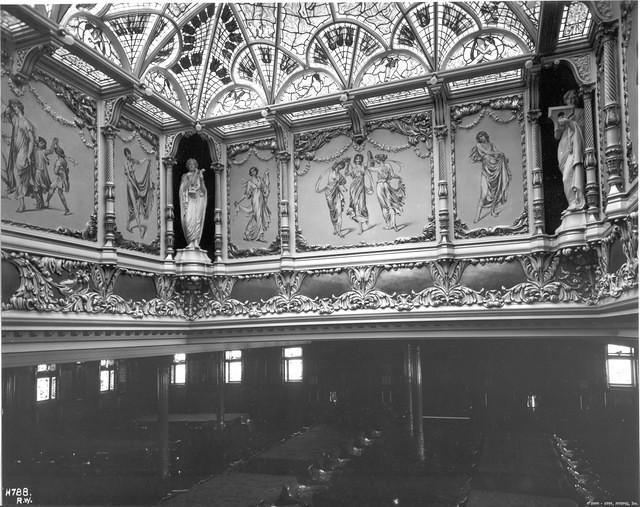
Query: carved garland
[[416, 127], [515, 104], [577, 275], [251, 148]]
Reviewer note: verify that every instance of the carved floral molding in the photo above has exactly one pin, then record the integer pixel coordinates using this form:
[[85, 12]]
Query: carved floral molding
[[574, 275]]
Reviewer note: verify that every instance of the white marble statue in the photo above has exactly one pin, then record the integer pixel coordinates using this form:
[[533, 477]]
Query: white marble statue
[[193, 203], [569, 131]]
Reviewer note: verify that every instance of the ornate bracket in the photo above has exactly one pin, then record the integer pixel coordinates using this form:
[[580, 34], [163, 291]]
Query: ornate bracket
[[356, 115]]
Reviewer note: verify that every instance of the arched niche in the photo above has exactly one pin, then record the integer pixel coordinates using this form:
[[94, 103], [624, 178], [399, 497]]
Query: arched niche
[[194, 146], [555, 81]]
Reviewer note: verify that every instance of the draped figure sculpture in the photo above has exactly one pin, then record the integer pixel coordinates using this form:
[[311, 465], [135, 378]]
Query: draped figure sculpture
[[495, 176], [568, 130], [254, 204], [193, 203], [333, 185]]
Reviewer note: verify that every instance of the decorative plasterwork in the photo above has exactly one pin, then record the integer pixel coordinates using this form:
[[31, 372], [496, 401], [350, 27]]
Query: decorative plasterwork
[[571, 275], [626, 30], [515, 104], [416, 127]]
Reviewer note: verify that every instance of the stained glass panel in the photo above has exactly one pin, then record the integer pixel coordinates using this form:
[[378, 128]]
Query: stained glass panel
[[486, 47], [576, 22], [309, 85], [237, 99], [89, 71], [391, 67]]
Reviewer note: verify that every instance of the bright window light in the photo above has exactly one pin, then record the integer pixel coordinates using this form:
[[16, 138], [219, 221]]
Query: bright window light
[[46, 382], [179, 369], [292, 364], [233, 366], [620, 366]]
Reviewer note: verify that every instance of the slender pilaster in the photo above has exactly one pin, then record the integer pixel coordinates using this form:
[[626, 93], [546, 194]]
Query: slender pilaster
[[442, 132], [537, 178], [220, 375], [283, 158], [590, 163], [163, 378], [408, 371], [418, 424], [109, 132], [534, 115], [169, 215], [613, 139], [218, 170]]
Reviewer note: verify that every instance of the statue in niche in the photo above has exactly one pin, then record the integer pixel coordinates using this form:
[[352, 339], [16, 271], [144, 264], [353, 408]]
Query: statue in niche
[[568, 129], [193, 204], [390, 190], [495, 176], [361, 185], [256, 191], [333, 184], [139, 194]]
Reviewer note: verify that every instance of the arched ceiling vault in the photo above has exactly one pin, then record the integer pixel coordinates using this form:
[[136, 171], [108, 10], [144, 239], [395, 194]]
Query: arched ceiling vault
[[199, 62]]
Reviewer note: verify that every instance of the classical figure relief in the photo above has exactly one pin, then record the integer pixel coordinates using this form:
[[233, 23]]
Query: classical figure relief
[[361, 185], [25, 172], [390, 190], [139, 193], [193, 203], [254, 204], [61, 182], [19, 177], [568, 124], [495, 176], [333, 185]]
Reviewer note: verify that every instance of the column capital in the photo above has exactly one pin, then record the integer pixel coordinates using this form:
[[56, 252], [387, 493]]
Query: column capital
[[283, 156], [534, 115], [109, 131], [169, 162], [217, 167], [441, 131]]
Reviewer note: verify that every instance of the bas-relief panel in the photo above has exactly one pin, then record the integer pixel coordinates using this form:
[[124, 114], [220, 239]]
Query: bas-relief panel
[[252, 197], [377, 192], [48, 159], [489, 164], [137, 188]]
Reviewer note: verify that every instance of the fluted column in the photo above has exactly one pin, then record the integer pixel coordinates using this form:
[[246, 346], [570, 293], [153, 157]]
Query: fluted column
[[408, 367], [163, 379], [283, 158], [169, 214], [218, 171], [418, 422], [590, 163], [109, 132], [220, 375], [613, 135], [442, 131]]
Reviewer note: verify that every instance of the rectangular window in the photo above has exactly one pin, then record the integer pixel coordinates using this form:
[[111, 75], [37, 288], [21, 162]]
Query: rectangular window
[[46, 382], [232, 366], [292, 364], [107, 375], [620, 366], [179, 369]]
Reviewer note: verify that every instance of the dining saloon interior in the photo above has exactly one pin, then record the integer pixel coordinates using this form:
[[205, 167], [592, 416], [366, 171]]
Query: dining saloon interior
[[320, 254]]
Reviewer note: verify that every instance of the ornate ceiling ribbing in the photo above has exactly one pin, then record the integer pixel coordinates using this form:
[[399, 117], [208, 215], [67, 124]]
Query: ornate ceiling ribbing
[[219, 59]]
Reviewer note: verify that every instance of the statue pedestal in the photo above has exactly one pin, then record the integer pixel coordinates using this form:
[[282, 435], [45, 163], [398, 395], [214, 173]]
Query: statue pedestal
[[572, 228], [193, 261]]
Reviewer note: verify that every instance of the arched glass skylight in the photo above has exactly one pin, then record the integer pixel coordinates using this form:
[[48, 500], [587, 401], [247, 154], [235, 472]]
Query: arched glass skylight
[[248, 55]]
